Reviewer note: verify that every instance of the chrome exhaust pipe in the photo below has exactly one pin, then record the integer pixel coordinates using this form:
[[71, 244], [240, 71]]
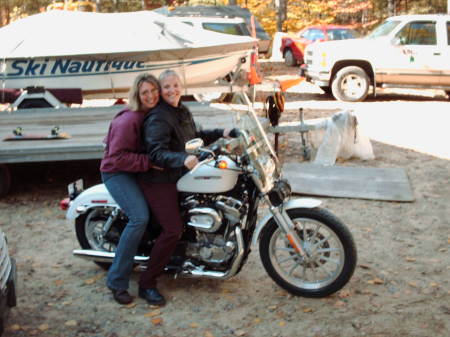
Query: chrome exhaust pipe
[[188, 269], [99, 256]]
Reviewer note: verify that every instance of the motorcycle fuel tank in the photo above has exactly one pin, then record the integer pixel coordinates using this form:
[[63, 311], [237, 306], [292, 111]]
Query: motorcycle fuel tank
[[210, 179]]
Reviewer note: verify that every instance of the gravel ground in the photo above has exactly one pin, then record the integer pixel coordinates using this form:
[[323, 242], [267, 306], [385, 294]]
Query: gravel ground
[[400, 287]]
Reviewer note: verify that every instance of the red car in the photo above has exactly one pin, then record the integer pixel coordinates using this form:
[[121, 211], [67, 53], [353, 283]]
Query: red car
[[292, 48]]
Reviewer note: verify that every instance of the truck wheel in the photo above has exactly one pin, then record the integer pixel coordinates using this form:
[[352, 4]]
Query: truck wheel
[[351, 84], [326, 90], [289, 58]]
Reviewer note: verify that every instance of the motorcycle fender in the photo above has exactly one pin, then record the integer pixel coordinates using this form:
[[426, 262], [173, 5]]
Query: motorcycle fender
[[291, 203], [95, 196]]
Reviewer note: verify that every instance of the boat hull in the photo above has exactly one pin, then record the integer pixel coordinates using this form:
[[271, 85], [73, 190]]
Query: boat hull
[[113, 77]]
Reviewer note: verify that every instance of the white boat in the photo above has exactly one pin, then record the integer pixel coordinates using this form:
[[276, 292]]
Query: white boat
[[101, 53]]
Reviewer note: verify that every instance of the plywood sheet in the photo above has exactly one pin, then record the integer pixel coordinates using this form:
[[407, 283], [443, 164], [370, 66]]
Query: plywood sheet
[[349, 182]]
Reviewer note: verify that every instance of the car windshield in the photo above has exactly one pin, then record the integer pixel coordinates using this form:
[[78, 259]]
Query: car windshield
[[383, 29], [227, 28], [341, 34]]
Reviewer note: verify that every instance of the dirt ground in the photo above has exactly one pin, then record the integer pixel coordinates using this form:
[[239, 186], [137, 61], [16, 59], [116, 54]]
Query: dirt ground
[[400, 287]]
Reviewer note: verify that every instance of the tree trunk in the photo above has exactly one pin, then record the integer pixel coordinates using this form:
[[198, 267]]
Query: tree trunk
[[282, 13], [234, 2], [391, 7]]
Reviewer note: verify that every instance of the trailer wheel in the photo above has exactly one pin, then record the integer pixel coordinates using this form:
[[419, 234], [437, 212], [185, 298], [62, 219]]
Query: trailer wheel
[[5, 180]]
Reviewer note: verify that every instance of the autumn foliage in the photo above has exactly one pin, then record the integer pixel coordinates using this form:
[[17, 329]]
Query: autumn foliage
[[303, 13]]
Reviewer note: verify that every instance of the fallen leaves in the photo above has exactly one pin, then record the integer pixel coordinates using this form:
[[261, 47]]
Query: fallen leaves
[[344, 294], [153, 313], [71, 322], [129, 306], [43, 327], [410, 259], [157, 321], [93, 279], [376, 280], [15, 327], [339, 304]]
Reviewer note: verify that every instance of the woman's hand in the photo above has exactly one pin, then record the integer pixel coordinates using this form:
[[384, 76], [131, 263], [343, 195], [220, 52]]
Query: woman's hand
[[190, 162]]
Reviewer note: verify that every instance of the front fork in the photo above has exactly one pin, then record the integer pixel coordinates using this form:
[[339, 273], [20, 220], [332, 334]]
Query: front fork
[[285, 223]]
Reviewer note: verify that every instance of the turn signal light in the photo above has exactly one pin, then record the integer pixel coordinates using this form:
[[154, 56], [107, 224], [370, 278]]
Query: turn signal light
[[222, 164]]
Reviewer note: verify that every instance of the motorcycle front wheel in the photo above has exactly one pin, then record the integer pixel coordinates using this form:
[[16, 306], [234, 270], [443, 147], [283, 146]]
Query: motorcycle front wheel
[[330, 247], [89, 230]]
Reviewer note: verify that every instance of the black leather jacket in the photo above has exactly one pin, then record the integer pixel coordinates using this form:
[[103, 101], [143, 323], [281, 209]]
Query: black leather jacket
[[166, 129]]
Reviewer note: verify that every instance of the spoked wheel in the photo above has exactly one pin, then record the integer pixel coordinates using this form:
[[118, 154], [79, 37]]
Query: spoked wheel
[[89, 230], [331, 254]]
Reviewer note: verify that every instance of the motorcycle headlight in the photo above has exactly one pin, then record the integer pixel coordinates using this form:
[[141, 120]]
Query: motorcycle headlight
[[280, 192]]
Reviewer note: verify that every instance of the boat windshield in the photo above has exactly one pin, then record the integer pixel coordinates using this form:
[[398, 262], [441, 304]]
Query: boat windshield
[[383, 29], [258, 148]]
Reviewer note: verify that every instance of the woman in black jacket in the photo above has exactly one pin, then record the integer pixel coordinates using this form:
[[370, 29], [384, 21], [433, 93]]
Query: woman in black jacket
[[166, 130]]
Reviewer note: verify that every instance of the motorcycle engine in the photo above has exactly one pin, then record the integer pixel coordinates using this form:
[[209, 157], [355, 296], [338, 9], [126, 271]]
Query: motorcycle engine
[[211, 218]]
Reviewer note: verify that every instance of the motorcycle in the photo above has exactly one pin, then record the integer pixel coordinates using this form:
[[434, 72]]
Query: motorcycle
[[304, 248]]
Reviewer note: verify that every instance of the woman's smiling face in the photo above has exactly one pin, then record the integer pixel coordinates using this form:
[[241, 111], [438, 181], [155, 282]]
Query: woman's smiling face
[[171, 90], [148, 95]]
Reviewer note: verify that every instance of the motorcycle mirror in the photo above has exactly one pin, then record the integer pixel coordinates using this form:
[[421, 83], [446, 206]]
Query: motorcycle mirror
[[193, 145]]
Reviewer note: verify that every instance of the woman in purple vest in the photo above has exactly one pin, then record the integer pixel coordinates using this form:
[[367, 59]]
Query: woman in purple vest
[[123, 159]]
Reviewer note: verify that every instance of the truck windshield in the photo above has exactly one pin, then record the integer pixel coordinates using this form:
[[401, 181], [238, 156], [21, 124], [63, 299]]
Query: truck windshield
[[384, 29]]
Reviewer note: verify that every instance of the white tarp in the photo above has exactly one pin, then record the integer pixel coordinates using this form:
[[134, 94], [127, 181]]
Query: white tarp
[[94, 35], [341, 139]]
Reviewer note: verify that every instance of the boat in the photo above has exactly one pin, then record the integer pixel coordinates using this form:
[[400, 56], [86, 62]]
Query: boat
[[100, 54]]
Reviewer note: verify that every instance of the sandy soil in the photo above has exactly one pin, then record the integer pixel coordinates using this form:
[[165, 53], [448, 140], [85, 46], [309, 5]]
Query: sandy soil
[[400, 287]]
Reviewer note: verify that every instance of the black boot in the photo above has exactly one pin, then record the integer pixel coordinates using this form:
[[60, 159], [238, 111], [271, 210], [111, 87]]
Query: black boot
[[122, 296], [152, 296]]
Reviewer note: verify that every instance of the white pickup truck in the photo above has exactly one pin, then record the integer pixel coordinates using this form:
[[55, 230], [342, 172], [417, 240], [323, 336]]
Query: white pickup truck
[[408, 51]]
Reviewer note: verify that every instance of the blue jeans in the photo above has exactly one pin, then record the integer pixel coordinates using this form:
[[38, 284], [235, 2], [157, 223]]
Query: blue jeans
[[125, 190]]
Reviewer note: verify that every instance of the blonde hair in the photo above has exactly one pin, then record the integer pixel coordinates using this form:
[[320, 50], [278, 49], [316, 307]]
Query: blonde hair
[[134, 102]]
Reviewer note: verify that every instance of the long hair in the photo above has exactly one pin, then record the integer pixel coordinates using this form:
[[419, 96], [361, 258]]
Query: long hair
[[134, 102]]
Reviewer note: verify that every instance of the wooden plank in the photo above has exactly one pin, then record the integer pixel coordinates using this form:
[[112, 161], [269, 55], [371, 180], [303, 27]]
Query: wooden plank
[[349, 182]]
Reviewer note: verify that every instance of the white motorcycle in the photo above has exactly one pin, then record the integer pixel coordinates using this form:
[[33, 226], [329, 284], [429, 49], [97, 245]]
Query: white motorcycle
[[304, 248]]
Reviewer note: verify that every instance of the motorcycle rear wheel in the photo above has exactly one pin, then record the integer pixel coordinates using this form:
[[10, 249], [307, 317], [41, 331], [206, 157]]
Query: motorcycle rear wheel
[[330, 245], [88, 227]]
